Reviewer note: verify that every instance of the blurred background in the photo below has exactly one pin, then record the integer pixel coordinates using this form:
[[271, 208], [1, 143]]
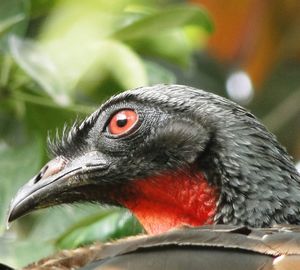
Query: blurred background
[[60, 59]]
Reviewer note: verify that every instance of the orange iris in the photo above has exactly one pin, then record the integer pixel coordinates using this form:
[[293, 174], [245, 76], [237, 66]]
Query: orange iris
[[122, 122]]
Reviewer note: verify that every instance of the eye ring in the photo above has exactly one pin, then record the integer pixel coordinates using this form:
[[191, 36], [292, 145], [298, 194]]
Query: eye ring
[[123, 122]]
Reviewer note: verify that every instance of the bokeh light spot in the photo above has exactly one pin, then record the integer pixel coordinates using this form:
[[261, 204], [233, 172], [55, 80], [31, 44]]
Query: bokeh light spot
[[239, 87], [298, 166]]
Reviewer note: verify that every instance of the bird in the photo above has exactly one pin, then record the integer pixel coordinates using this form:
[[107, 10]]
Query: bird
[[224, 248], [211, 186]]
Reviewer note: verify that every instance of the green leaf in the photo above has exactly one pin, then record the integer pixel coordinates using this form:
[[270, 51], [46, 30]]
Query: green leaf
[[124, 64], [39, 8], [39, 67], [13, 18], [114, 59], [173, 46], [165, 20], [7, 24], [107, 225], [17, 165], [158, 74], [18, 254]]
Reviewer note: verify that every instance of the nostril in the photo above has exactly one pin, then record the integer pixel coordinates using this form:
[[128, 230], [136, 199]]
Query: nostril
[[53, 167], [40, 174]]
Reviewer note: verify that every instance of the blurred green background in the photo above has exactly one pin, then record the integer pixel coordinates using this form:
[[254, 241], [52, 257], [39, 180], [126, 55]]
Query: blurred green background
[[60, 59]]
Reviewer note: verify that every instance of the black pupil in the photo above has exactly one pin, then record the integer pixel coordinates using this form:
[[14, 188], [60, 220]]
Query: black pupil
[[121, 120]]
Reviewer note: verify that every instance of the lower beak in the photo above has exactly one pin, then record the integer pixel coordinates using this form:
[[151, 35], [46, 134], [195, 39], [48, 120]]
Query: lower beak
[[55, 184]]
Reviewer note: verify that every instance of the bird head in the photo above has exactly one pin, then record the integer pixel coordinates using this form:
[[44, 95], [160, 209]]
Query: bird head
[[173, 155]]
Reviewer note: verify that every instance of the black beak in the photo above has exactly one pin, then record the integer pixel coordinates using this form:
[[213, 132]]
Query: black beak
[[57, 181]]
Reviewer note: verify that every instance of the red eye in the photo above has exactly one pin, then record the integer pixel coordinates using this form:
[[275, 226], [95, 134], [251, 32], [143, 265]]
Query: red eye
[[122, 122]]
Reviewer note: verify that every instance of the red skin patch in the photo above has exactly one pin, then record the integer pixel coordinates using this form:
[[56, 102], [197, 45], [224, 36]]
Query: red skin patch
[[171, 200]]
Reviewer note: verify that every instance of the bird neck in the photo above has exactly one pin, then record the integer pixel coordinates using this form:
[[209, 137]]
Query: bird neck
[[258, 182], [171, 200]]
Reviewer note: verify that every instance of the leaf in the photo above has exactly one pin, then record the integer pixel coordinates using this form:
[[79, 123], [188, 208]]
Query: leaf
[[165, 20], [7, 24], [17, 165], [18, 254], [115, 59], [13, 18], [107, 225], [158, 74], [39, 67], [41, 8], [173, 46], [124, 64]]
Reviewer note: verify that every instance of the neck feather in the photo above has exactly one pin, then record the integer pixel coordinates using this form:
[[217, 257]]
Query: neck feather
[[171, 200]]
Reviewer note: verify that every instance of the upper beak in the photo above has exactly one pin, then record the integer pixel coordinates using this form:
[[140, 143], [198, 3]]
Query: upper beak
[[59, 176]]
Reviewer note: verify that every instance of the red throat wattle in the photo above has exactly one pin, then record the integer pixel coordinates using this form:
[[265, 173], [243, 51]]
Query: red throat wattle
[[171, 200]]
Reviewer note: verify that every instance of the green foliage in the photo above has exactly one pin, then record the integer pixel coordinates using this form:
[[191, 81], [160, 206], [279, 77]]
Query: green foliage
[[16, 163], [39, 67], [9, 23], [162, 21], [59, 59], [103, 226], [14, 16]]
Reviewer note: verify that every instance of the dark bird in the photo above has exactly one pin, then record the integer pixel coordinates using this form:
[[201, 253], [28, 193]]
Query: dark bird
[[176, 156]]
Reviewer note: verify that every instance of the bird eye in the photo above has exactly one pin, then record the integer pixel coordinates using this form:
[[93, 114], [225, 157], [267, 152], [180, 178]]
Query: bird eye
[[122, 122]]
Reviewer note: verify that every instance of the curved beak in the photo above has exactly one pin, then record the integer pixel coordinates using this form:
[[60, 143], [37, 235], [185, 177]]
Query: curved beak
[[59, 181]]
